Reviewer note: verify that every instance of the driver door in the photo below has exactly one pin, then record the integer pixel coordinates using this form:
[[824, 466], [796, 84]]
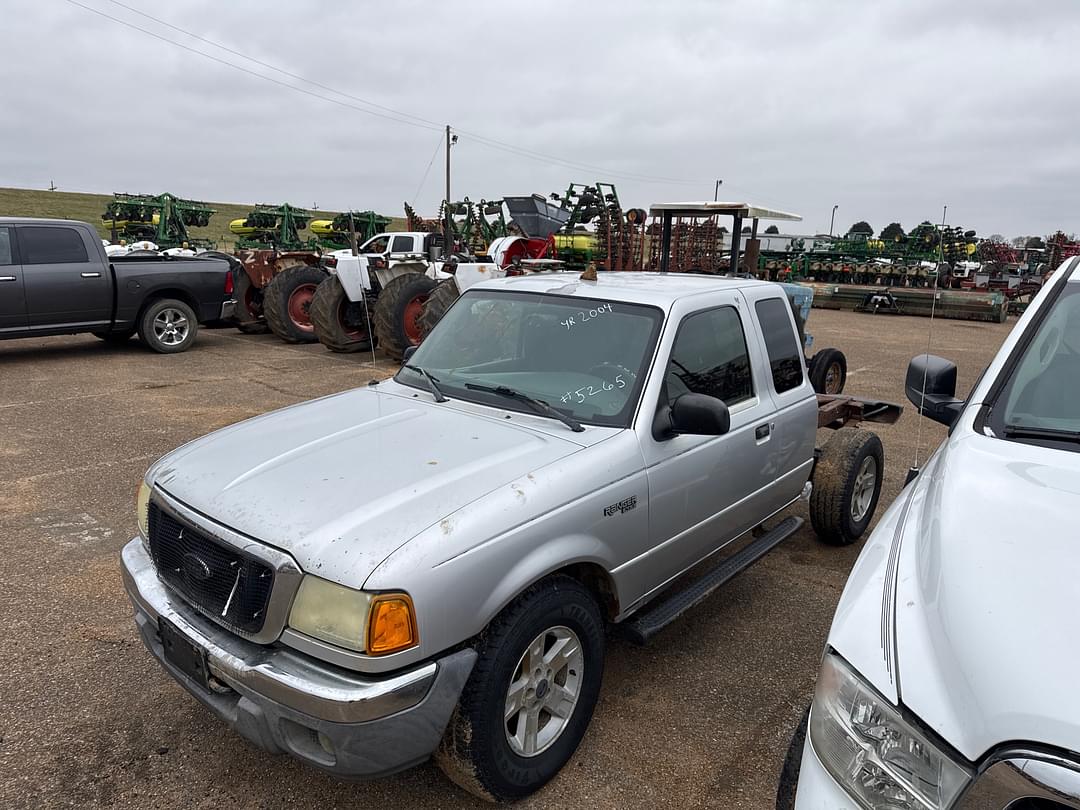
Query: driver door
[[705, 491]]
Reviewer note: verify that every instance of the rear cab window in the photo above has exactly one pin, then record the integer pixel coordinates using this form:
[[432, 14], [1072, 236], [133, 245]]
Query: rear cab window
[[51, 244], [781, 343]]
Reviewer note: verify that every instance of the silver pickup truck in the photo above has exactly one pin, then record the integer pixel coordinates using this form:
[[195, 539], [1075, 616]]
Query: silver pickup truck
[[429, 564]]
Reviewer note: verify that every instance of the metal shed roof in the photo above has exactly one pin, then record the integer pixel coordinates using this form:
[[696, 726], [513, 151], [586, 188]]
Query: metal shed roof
[[710, 207]]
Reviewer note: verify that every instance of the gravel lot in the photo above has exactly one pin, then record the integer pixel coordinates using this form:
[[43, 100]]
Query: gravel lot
[[700, 718]]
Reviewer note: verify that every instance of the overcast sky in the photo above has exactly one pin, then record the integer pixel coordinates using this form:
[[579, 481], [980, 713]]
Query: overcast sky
[[887, 109]]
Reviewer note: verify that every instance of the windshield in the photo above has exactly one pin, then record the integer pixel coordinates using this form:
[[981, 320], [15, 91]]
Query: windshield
[[1042, 395], [585, 357]]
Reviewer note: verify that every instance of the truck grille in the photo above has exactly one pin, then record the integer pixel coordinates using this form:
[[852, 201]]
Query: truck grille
[[229, 586]]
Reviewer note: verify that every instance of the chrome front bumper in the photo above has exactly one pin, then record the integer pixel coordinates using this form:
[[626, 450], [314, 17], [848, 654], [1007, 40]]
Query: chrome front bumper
[[285, 701]]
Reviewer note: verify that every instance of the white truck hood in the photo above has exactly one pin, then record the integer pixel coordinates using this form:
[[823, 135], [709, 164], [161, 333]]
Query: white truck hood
[[987, 594], [343, 481]]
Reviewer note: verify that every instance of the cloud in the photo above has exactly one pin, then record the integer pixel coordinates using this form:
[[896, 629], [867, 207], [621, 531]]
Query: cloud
[[888, 109]]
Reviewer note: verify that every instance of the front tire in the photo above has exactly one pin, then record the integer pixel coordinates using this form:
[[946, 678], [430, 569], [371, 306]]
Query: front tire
[[529, 699], [168, 326], [847, 484], [249, 306], [115, 338], [789, 774]]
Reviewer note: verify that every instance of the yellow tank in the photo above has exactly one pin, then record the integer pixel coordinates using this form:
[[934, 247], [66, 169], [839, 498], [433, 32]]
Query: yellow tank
[[120, 224], [575, 241], [321, 227], [238, 227]]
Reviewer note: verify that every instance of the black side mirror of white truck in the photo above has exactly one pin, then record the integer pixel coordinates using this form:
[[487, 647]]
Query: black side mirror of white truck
[[698, 415], [409, 352], [931, 388]]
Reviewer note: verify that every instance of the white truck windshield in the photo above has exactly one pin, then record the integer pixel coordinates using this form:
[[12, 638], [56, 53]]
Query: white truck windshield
[[1043, 394], [585, 357]]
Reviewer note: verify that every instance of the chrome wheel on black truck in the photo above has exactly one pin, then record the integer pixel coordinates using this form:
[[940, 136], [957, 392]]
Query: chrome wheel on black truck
[[168, 326], [531, 694]]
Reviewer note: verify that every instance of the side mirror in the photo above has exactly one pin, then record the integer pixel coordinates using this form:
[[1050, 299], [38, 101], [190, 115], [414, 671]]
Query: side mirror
[[938, 401], [408, 353], [699, 415]]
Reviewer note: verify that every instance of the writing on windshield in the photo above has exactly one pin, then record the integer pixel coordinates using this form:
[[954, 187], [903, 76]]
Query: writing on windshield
[[585, 357]]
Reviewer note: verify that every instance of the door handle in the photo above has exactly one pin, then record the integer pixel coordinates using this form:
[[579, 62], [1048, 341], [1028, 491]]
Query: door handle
[[761, 432], [90, 275], [7, 278]]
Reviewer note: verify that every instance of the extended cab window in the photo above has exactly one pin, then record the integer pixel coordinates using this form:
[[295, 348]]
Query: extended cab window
[[401, 244], [781, 343], [51, 245], [710, 357], [7, 255]]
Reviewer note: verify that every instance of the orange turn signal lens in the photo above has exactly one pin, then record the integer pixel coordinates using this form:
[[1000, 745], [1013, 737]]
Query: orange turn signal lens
[[392, 625]]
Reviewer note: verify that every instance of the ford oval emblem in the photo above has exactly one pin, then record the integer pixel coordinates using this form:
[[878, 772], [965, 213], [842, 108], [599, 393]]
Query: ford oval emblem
[[195, 567]]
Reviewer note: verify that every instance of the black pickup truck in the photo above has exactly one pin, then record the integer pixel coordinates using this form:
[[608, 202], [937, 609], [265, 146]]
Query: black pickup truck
[[55, 279]]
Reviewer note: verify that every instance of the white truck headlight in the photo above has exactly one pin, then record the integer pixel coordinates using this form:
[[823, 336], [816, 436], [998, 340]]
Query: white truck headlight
[[877, 756], [331, 612]]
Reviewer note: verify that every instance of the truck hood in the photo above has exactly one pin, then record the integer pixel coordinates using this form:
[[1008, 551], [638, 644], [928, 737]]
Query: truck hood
[[987, 594], [341, 482]]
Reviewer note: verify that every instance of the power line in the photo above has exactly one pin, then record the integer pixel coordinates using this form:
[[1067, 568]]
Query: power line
[[438, 146], [249, 72], [389, 113], [269, 66]]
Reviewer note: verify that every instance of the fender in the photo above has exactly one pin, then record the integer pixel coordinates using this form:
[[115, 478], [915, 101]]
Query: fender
[[352, 272]]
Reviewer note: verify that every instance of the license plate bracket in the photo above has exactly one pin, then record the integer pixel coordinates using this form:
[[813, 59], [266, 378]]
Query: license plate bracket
[[187, 657]]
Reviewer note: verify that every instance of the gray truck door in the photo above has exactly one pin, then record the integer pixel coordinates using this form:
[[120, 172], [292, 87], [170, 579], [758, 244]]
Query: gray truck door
[[707, 490], [12, 296], [65, 283]]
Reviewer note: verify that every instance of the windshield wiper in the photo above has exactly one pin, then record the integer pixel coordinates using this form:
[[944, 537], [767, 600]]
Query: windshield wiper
[[432, 383], [538, 404], [1022, 432]]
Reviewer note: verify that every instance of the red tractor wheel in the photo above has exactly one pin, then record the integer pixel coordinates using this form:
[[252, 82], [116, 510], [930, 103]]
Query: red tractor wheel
[[287, 302], [249, 307], [398, 311]]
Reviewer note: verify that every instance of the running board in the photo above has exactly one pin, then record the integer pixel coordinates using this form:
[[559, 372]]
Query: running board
[[654, 618]]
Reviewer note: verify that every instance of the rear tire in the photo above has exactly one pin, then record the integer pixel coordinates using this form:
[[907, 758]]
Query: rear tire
[[828, 371], [847, 484], [287, 302], [440, 300], [478, 750], [249, 306], [339, 322], [168, 326], [398, 310]]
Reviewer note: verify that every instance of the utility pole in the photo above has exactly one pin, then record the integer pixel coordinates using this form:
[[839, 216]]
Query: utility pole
[[448, 230], [716, 193], [832, 219]]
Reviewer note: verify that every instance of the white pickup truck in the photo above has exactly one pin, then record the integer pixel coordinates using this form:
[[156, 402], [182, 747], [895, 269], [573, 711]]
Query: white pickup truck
[[949, 676]]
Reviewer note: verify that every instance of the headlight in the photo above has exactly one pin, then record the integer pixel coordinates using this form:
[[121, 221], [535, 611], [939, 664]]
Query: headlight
[[331, 612], [142, 509], [377, 624], [878, 757]]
